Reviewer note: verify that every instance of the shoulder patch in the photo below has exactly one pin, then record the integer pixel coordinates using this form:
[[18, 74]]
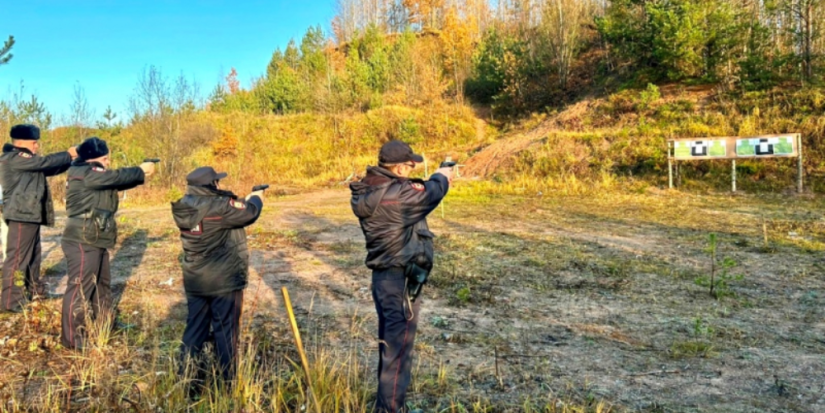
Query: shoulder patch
[[25, 154], [98, 169], [417, 186], [237, 204]]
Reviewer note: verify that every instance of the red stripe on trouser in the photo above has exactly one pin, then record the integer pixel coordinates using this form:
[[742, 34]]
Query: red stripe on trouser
[[238, 309], [16, 266], [74, 294], [400, 361]]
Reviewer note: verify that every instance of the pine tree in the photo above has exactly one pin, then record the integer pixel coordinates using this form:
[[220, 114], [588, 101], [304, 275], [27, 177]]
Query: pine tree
[[5, 56]]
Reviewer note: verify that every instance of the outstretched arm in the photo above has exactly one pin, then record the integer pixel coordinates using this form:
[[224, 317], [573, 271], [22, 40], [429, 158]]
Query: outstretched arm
[[49, 165], [119, 179], [419, 199], [238, 213]]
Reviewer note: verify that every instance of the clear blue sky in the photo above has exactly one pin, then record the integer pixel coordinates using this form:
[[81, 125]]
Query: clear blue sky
[[105, 45]]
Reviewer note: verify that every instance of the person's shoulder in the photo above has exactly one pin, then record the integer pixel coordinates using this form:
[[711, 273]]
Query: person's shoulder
[[414, 184], [20, 156], [85, 169], [228, 203], [75, 170]]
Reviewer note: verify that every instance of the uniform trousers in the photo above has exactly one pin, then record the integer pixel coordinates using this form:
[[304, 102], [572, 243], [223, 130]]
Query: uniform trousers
[[221, 313], [89, 288], [21, 268], [397, 323]]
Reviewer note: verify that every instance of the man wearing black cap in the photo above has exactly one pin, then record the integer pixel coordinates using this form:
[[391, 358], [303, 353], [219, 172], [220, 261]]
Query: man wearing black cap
[[215, 265], [91, 229], [27, 204], [392, 209]]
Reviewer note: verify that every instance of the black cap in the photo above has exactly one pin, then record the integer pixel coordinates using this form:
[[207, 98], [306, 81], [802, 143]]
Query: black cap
[[204, 175], [397, 152], [25, 132], [92, 148]]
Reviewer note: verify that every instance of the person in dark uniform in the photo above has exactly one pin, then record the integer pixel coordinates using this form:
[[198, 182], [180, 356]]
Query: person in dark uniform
[[27, 204], [392, 210], [215, 265], [91, 229]]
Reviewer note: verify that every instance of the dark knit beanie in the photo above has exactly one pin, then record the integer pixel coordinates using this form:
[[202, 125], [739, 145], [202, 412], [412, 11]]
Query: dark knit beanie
[[92, 148]]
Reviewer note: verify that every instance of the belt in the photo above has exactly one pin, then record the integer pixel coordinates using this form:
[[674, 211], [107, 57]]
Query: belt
[[391, 272]]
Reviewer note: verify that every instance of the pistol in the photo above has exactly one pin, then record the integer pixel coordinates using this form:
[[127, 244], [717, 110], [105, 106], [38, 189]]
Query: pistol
[[447, 164], [260, 187], [153, 160]]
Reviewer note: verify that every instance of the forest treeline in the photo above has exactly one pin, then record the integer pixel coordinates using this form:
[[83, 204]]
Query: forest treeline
[[527, 55]]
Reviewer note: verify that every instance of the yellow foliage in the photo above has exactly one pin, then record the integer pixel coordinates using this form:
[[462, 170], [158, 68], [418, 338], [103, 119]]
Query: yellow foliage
[[227, 144], [457, 42]]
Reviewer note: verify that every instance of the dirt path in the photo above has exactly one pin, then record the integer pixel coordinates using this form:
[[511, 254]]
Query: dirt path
[[535, 298]]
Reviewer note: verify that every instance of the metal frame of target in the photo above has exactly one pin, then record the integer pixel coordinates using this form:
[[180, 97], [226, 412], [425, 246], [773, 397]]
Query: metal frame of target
[[735, 147]]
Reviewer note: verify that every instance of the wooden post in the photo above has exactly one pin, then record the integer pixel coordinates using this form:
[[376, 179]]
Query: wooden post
[[799, 163], [300, 346], [678, 168], [449, 159], [733, 175], [669, 166]]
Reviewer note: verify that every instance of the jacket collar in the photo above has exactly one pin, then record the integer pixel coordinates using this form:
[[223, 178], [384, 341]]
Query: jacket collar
[[377, 175], [379, 170], [80, 162], [11, 148], [208, 191]]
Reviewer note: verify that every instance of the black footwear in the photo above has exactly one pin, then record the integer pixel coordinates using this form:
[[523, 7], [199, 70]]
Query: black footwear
[[195, 390], [14, 310]]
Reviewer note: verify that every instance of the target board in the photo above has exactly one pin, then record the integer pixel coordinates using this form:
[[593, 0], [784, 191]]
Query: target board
[[736, 147], [752, 147], [701, 148]]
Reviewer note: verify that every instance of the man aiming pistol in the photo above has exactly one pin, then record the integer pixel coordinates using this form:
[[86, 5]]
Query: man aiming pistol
[[215, 266]]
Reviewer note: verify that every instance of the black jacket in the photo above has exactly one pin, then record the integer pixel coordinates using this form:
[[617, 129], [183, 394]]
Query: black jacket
[[26, 195], [91, 201], [393, 215], [211, 223]]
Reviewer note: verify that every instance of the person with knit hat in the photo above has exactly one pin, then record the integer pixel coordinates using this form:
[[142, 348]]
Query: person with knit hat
[[91, 229], [27, 204]]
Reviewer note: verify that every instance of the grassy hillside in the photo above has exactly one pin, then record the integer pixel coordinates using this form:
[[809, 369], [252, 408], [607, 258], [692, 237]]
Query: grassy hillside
[[617, 141], [291, 152], [621, 139]]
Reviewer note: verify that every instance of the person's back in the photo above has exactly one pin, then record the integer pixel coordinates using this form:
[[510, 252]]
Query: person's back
[[392, 211], [215, 258], [92, 201], [26, 195]]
